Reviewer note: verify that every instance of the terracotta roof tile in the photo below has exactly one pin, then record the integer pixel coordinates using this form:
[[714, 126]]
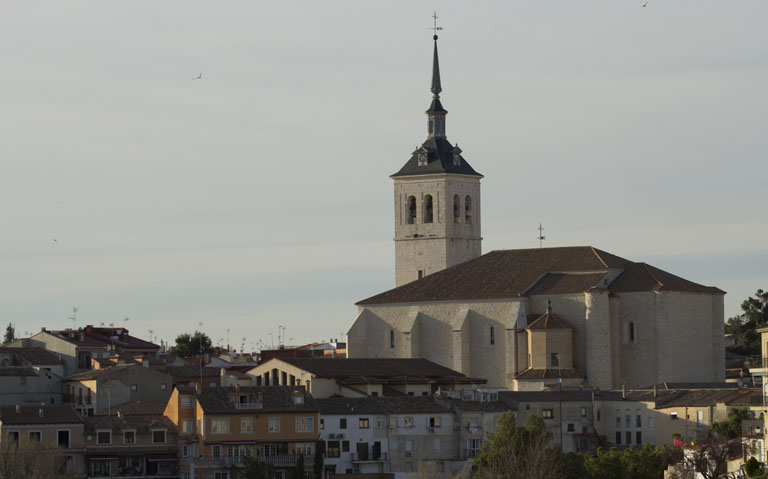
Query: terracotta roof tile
[[31, 415]]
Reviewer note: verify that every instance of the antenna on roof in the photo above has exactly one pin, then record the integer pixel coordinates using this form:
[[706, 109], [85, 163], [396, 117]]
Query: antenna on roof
[[541, 236], [125, 320], [74, 318]]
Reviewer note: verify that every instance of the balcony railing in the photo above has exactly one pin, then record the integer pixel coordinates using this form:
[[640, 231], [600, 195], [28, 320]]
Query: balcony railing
[[757, 362], [276, 460], [356, 457], [471, 453]]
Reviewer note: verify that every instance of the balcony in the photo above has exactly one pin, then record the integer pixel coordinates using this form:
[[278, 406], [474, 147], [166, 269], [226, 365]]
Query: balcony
[[757, 362], [471, 453], [356, 457], [276, 460]]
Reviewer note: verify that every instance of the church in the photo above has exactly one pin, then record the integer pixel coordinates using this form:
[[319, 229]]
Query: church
[[525, 319]]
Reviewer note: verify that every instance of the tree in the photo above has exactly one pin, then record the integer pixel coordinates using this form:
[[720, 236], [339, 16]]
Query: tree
[[743, 326], [318, 465], [299, 472], [709, 458], [10, 333], [191, 345], [519, 452], [731, 427], [255, 469], [752, 467], [29, 459]]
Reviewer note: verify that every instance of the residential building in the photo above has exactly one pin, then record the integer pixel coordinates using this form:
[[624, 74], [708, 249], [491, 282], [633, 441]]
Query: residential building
[[131, 445], [190, 376], [37, 358], [361, 377], [100, 389], [57, 428], [629, 323], [219, 427], [27, 385], [78, 346]]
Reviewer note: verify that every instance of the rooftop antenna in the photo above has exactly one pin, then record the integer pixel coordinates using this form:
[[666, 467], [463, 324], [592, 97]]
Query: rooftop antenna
[[74, 318], [125, 320], [434, 26], [227, 339], [541, 236]]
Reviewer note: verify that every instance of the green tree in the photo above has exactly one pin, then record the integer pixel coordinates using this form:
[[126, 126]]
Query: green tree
[[10, 333], [191, 345], [646, 462], [752, 467], [731, 427], [255, 469], [29, 459], [299, 472], [519, 452], [318, 465], [573, 466], [754, 315]]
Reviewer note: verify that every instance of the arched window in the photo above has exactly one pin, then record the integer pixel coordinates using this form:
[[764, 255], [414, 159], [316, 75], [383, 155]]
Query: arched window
[[411, 213], [468, 210], [392, 338], [456, 209], [493, 336], [428, 209], [631, 332]]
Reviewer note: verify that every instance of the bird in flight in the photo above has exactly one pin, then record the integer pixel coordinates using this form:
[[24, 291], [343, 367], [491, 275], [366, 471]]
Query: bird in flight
[[200, 76], [644, 5], [55, 240]]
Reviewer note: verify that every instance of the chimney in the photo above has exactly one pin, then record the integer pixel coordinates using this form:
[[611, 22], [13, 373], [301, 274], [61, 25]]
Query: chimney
[[655, 391]]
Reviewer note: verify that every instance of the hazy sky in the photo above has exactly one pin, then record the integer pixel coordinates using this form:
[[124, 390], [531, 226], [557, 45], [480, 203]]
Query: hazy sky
[[259, 195]]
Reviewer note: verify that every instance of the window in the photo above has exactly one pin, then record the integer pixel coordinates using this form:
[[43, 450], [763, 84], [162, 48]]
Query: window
[[628, 418], [273, 424], [186, 401], [434, 422], [221, 475], [344, 446], [629, 437], [35, 436], [363, 423], [187, 426], [673, 416], [618, 437], [638, 437], [438, 444], [428, 209], [631, 332], [216, 451], [134, 387], [639, 419], [699, 417], [62, 438], [381, 422], [421, 273], [163, 386], [246, 424], [618, 418], [158, 436], [411, 213], [650, 422], [322, 423], [303, 448], [13, 436], [468, 210], [392, 339], [492, 338], [408, 421], [219, 425], [103, 437], [598, 415], [342, 423], [456, 209], [554, 359], [333, 449], [305, 424], [472, 447], [583, 412], [547, 413], [185, 475]]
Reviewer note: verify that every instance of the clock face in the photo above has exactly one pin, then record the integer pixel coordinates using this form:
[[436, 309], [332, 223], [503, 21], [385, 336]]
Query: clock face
[[457, 159], [422, 158]]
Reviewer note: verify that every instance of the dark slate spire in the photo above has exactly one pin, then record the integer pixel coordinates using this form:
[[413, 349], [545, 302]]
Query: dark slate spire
[[436, 89]]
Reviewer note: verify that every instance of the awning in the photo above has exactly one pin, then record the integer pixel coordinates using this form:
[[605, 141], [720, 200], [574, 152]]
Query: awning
[[169, 456]]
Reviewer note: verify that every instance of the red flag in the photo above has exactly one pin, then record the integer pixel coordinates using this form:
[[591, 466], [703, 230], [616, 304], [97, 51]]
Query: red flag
[[679, 442]]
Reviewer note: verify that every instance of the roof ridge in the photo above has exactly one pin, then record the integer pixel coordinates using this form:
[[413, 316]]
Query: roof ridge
[[650, 273], [599, 257]]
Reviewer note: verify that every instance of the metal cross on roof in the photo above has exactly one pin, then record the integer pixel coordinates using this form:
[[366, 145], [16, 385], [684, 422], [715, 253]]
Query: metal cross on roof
[[541, 236], [434, 26]]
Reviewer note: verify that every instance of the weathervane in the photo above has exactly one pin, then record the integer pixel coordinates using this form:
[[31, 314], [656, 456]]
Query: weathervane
[[434, 26], [541, 236]]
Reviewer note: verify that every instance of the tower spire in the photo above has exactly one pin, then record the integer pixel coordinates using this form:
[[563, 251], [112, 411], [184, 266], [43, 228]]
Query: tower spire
[[436, 112], [436, 88]]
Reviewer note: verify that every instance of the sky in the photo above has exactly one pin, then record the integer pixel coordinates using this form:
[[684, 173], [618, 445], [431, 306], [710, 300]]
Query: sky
[[256, 201]]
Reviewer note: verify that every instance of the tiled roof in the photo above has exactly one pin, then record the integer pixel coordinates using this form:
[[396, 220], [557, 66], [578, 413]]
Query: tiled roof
[[96, 373], [192, 371], [548, 320], [550, 374], [546, 396], [374, 368], [517, 273], [706, 397], [31, 415], [380, 405], [137, 408], [103, 337], [273, 399], [35, 356], [439, 161], [142, 424], [17, 371]]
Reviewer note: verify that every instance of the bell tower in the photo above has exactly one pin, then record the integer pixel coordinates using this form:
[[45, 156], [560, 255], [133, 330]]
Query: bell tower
[[437, 200]]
